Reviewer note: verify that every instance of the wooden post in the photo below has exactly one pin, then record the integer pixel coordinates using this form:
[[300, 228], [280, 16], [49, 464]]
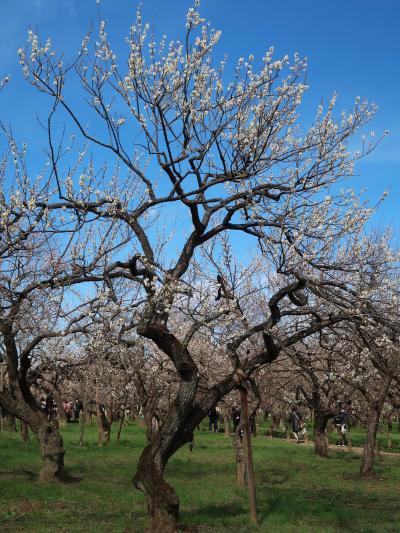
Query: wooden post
[[248, 455], [239, 457], [2, 366], [225, 415], [98, 414], [82, 420], [83, 416]]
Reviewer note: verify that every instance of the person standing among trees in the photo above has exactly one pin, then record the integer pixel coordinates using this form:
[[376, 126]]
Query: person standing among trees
[[76, 410], [68, 410], [213, 420], [252, 424], [341, 421], [296, 420], [235, 416]]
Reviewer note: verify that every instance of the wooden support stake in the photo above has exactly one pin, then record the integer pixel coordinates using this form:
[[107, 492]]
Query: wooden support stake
[[248, 455]]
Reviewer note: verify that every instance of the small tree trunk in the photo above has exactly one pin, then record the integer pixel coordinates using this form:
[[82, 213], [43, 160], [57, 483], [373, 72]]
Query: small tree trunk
[[121, 422], [100, 431], [104, 426], [24, 431], [367, 461], [227, 429], [389, 433], [108, 436], [52, 450], [320, 439], [82, 423]]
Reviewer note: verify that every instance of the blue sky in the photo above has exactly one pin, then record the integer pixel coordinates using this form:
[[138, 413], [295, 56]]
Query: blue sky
[[352, 45]]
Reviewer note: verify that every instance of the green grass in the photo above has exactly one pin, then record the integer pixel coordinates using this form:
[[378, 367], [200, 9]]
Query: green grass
[[296, 491]]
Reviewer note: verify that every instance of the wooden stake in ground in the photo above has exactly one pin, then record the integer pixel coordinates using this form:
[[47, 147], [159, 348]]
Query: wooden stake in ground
[[240, 461], [248, 455], [83, 416]]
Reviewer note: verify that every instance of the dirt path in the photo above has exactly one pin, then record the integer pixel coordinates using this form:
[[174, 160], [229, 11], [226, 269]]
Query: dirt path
[[355, 449]]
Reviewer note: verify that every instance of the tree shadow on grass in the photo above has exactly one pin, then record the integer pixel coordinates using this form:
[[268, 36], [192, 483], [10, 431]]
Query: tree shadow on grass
[[181, 469], [27, 474], [64, 477], [210, 512], [68, 479]]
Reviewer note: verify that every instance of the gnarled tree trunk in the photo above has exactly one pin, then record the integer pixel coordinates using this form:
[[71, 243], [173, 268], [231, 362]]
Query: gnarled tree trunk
[[52, 450], [162, 500], [50, 440], [320, 441], [367, 461]]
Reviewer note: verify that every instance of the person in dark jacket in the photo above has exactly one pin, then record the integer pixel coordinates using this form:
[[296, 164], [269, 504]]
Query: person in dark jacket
[[252, 424], [341, 422], [235, 417], [296, 420], [213, 420]]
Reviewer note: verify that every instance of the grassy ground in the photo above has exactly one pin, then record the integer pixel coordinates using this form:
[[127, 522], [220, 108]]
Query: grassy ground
[[296, 491]]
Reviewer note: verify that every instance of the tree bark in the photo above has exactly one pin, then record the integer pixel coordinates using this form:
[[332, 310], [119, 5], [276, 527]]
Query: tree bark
[[162, 500], [50, 440], [24, 431], [52, 450], [320, 441], [226, 418], [367, 461], [62, 417]]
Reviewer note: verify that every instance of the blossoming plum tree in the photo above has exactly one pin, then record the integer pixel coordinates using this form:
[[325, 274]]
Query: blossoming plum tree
[[224, 157]]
